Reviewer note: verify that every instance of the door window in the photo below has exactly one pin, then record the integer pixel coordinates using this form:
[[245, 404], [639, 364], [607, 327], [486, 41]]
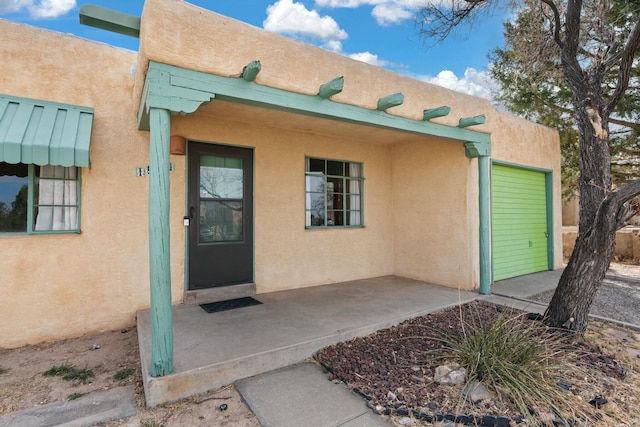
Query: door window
[[221, 192]]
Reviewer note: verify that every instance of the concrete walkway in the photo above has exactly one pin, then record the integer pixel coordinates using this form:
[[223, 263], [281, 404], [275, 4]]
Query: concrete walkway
[[212, 350], [94, 408], [302, 395]]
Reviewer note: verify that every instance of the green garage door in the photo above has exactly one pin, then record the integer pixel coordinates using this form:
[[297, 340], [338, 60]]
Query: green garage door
[[519, 221]]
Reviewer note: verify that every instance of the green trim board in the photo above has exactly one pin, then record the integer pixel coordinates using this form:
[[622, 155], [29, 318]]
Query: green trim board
[[110, 20], [44, 133], [183, 91], [520, 221]]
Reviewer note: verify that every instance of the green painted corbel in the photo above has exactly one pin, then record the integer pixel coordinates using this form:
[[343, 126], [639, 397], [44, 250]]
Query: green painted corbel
[[331, 88], [432, 113], [110, 20], [251, 70], [477, 149], [471, 121], [390, 101]]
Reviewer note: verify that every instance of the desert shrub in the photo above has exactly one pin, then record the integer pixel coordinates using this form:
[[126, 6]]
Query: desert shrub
[[515, 357]]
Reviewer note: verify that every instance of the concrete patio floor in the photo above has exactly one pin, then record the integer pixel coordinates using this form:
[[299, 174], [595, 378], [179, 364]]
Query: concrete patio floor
[[212, 350]]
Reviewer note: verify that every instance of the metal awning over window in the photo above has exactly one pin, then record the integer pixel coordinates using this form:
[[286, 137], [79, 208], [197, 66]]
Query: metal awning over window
[[44, 133]]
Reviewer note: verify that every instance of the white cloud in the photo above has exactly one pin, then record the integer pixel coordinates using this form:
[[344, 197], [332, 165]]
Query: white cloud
[[294, 19], [51, 8], [369, 58], [391, 13], [38, 8], [474, 82], [386, 12], [11, 6]]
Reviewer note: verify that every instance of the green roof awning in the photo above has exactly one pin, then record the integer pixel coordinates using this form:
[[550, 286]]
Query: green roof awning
[[44, 133]]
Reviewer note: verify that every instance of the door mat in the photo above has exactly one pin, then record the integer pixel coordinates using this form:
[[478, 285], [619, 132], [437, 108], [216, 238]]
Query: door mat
[[230, 304]]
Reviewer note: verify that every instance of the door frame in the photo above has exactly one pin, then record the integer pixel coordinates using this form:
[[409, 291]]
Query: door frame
[[219, 293]]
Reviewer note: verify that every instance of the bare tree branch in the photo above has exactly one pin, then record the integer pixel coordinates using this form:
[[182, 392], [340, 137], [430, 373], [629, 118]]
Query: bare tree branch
[[626, 64], [632, 125], [573, 71], [556, 19], [626, 192]]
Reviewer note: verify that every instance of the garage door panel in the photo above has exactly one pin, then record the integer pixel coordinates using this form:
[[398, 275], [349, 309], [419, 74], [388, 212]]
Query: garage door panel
[[519, 221]]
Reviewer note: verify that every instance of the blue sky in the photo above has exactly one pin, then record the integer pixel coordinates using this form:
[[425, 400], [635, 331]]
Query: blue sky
[[380, 32]]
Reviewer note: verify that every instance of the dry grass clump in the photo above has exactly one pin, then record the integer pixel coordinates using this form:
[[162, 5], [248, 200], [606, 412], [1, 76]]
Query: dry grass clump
[[519, 360]]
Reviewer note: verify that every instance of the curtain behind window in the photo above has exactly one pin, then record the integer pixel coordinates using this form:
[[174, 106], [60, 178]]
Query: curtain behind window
[[57, 199]]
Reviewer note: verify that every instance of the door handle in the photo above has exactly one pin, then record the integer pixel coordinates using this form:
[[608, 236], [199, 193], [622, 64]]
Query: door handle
[[191, 211]]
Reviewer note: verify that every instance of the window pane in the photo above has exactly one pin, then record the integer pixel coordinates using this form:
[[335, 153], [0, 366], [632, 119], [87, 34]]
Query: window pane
[[353, 202], [220, 221], [220, 177], [354, 218], [50, 218], [316, 165], [56, 198], [335, 168], [336, 184], [315, 183], [335, 218], [316, 205], [13, 197]]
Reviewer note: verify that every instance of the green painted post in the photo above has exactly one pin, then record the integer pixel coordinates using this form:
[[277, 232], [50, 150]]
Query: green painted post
[[485, 221], [159, 253]]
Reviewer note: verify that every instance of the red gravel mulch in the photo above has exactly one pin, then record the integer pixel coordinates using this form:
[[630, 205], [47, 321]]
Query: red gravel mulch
[[393, 370]]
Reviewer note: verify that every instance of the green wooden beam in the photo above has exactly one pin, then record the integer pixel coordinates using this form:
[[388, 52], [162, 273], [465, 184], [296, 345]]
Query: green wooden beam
[[331, 88], [110, 20], [432, 113], [159, 245], [484, 197], [251, 70], [471, 121], [183, 91], [389, 101]]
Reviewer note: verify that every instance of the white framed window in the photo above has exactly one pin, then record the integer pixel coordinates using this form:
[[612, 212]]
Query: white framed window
[[334, 191], [39, 199]]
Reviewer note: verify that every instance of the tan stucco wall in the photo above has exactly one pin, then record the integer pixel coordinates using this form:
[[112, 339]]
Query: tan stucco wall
[[63, 285], [420, 193], [433, 232], [286, 254]]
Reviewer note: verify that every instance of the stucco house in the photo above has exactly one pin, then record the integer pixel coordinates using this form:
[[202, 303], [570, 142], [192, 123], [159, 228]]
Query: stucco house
[[221, 160]]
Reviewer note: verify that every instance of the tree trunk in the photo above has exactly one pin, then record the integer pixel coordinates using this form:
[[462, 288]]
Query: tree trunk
[[595, 244], [581, 279]]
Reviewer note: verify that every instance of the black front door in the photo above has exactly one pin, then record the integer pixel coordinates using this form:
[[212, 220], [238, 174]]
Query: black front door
[[221, 215]]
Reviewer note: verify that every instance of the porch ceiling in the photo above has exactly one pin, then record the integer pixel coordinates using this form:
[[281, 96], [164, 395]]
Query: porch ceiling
[[230, 112]]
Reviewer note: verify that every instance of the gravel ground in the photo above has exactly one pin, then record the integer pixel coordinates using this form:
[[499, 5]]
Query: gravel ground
[[617, 299], [394, 370]]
